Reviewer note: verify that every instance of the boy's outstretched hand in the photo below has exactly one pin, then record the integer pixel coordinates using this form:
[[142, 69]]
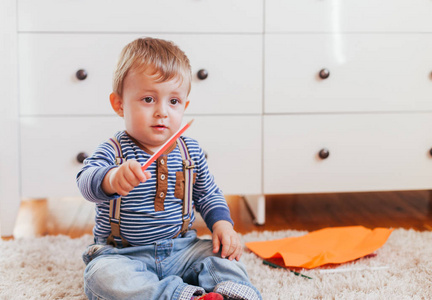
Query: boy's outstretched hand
[[125, 178], [224, 235]]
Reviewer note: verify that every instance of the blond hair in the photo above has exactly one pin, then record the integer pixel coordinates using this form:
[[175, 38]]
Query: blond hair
[[162, 57]]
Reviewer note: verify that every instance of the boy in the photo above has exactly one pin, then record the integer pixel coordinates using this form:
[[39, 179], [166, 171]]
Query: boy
[[145, 251]]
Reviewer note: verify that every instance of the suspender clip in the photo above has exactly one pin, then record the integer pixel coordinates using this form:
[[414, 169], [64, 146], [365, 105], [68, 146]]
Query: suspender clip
[[188, 164]]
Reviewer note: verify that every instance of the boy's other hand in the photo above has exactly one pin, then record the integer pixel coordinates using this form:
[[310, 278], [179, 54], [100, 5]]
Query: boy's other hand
[[225, 235], [124, 179]]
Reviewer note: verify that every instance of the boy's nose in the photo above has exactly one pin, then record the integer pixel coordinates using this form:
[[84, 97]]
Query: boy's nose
[[161, 111]]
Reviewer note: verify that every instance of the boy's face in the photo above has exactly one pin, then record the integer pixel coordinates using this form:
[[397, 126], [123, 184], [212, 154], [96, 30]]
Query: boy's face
[[153, 111]]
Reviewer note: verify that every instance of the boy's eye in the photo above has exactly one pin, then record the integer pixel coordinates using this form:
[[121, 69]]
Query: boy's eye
[[174, 101], [148, 99]]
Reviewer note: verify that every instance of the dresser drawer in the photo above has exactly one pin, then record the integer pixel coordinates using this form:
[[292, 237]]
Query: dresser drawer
[[235, 73], [49, 63], [49, 149], [50, 145], [233, 147], [140, 16], [348, 16], [367, 72], [367, 152]]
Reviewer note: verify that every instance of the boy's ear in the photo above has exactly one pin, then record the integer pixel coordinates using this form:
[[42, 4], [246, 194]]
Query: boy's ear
[[187, 104], [117, 103]]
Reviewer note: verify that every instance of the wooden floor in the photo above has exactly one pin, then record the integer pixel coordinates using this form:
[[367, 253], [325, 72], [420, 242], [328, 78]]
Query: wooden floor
[[409, 209]]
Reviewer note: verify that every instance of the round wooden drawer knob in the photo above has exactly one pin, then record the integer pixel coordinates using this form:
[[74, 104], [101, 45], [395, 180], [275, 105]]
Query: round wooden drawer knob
[[324, 74], [81, 156], [430, 151], [81, 74], [202, 74], [324, 153]]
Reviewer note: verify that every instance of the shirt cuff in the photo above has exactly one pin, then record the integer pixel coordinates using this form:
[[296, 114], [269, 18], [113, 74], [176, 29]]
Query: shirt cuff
[[98, 177], [217, 214]]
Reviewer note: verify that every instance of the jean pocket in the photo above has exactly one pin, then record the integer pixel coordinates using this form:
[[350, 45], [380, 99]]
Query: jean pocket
[[93, 251]]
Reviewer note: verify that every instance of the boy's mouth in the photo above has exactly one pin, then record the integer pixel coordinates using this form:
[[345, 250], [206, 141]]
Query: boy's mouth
[[159, 126]]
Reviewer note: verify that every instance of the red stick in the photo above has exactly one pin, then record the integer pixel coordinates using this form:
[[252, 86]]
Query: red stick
[[165, 146]]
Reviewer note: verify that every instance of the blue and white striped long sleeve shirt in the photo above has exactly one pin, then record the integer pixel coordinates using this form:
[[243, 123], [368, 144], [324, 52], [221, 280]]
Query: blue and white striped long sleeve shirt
[[141, 223]]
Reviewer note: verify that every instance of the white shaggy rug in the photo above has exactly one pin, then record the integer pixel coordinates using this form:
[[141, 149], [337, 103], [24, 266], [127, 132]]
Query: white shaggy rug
[[51, 268]]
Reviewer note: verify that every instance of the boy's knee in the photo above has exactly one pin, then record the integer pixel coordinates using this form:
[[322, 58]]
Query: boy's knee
[[115, 278], [222, 269], [105, 271], [226, 264], [98, 272]]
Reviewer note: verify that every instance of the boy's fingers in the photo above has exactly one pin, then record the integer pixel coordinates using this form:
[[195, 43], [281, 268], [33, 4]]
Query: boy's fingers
[[119, 190], [128, 176], [125, 178], [124, 187], [138, 174], [216, 244], [131, 177], [234, 248], [240, 252], [237, 254], [226, 246], [147, 175], [233, 255]]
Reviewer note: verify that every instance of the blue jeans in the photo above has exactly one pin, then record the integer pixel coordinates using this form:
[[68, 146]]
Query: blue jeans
[[171, 269]]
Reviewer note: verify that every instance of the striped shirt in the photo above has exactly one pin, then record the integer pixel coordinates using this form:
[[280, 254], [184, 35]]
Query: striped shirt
[[141, 224]]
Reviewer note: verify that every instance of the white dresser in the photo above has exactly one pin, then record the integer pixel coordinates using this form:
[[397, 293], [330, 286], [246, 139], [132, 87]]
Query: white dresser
[[300, 96], [347, 96]]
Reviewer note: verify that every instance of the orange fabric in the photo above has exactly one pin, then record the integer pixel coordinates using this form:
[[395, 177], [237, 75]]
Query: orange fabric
[[325, 246]]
